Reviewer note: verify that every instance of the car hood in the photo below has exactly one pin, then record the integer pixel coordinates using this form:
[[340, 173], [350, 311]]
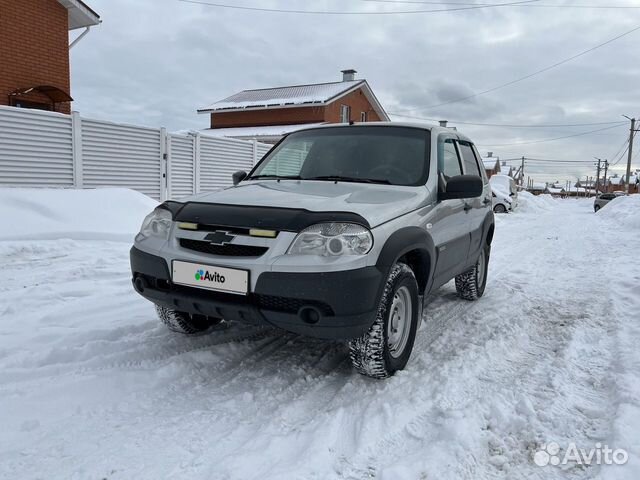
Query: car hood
[[375, 203]]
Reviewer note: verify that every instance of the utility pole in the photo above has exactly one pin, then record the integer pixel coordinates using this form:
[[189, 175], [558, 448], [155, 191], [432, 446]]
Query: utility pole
[[606, 167], [522, 172], [632, 133], [598, 180]]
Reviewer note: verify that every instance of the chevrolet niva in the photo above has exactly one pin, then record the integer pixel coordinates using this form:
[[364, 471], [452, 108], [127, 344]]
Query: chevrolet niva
[[339, 232]]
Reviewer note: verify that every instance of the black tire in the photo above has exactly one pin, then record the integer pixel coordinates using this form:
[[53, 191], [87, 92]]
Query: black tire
[[470, 284], [186, 323], [371, 354], [499, 209], [596, 208]]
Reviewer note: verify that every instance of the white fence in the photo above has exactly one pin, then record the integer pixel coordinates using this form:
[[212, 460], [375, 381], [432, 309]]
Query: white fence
[[45, 149]]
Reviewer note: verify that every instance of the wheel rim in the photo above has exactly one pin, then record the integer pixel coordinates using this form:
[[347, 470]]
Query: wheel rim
[[500, 209], [399, 322], [481, 267]]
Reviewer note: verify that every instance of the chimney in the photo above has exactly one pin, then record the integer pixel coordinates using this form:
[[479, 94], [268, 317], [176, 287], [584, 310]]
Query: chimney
[[443, 123], [348, 75], [489, 154]]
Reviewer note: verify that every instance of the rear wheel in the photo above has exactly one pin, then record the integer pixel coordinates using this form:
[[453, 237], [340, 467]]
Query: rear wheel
[[470, 284], [182, 322], [386, 347], [499, 208]]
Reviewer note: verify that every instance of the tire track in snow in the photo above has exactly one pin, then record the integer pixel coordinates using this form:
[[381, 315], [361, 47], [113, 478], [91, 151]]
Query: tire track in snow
[[549, 339]]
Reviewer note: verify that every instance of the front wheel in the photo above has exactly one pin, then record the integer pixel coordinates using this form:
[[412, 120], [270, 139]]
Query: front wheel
[[386, 347], [470, 284], [182, 322], [499, 208]]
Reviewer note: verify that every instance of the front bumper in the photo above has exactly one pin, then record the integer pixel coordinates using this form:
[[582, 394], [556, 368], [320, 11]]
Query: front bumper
[[337, 305]]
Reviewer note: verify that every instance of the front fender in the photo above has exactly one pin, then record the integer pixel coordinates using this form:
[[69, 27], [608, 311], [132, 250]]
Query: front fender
[[414, 241]]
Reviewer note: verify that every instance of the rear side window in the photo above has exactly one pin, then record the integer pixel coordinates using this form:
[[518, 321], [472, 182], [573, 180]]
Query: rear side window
[[448, 161], [469, 159]]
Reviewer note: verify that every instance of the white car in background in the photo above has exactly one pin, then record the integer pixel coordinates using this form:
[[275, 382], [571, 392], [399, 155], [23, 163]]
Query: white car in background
[[504, 193], [501, 201]]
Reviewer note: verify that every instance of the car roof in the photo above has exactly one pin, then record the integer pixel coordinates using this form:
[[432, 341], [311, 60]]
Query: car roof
[[435, 129]]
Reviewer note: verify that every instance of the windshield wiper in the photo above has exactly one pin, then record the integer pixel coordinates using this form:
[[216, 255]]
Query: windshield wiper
[[275, 177], [340, 178]]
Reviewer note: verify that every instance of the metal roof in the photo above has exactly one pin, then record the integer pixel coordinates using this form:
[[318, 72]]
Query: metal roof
[[319, 93], [80, 14]]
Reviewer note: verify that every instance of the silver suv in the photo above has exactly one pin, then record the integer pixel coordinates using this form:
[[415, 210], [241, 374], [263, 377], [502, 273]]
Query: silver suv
[[337, 233], [602, 199]]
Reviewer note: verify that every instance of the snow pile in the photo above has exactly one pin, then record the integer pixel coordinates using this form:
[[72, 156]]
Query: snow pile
[[48, 214], [529, 203], [624, 210]]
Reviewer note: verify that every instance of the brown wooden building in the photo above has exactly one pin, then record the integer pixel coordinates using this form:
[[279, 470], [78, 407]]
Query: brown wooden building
[[34, 51], [267, 114]]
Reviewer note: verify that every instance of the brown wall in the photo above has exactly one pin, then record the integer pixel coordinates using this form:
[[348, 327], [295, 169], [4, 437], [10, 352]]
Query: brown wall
[[358, 103], [297, 115], [282, 116], [34, 48], [633, 188]]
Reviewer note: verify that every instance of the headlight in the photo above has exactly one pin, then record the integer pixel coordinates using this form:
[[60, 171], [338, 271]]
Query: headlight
[[156, 224], [332, 239]]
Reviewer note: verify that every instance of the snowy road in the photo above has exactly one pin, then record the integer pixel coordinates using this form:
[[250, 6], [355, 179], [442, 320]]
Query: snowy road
[[92, 386]]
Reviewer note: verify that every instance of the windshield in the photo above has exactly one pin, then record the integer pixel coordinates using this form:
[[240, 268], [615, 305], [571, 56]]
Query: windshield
[[391, 155]]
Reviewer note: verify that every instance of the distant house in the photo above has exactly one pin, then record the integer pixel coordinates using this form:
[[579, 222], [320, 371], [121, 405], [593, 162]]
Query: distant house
[[491, 165], [555, 191], [536, 188], [267, 114], [588, 184], [34, 51], [617, 183]]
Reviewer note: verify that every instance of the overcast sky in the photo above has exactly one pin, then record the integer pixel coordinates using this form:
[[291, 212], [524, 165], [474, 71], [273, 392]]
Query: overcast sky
[[154, 62]]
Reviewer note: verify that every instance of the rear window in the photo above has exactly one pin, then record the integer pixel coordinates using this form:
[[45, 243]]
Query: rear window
[[394, 155]]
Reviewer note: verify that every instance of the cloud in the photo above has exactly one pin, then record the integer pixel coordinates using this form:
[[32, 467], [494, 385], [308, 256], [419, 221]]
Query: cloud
[[156, 62]]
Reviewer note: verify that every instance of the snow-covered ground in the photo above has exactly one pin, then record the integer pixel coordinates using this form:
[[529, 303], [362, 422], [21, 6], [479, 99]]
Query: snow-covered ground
[[92, 386]]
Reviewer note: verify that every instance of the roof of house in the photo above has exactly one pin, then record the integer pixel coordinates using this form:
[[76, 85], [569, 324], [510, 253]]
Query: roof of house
[[555, 190], [80, 14], [490, 162], [622, 179], [296, 95]]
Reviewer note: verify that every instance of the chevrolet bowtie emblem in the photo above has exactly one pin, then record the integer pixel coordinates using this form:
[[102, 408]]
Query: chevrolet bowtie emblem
[[219, 238]]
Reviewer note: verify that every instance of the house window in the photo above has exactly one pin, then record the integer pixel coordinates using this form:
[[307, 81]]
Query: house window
[[28, 104], [363, 116], [345, 113]]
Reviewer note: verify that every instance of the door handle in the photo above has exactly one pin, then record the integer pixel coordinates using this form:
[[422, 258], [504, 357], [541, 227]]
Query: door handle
[[467, 207]]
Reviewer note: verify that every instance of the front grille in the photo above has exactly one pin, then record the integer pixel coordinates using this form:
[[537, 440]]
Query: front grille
[[227, 250]]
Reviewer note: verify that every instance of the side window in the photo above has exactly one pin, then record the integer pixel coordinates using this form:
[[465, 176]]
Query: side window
[[448, 161], [469, 159]]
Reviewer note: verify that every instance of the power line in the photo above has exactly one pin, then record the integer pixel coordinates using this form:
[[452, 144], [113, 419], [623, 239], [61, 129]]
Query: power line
[[626, 142], [337, 12], [538, 72], [507, 125], [535, 5], [550, 139]]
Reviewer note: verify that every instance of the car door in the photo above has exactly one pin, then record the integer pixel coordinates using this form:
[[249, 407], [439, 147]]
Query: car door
[[476, 208], [450, 230]]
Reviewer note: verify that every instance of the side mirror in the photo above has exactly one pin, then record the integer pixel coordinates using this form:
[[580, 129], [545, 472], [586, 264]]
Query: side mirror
[[239, 176], [462, 186]]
